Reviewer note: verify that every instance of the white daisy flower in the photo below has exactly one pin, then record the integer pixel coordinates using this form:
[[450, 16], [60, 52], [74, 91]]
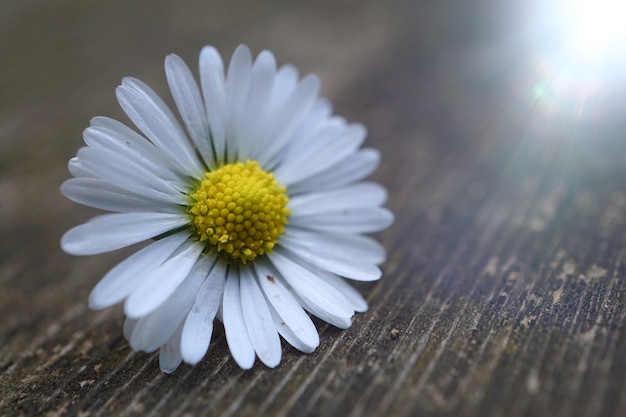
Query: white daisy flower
[[256, 206]]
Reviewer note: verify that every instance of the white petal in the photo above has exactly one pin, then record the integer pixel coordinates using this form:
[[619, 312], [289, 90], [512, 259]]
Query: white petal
[[346, 221], [213, 92], [120, 281], [198, 325], [284, 84], [77, 168], [259, 322], [350, 256], [148, 336], [362, 248], [237, 89], [360, 195], [113, 231], [113, 135], [337, 263], [129, 327], [287, 118], [189, 103], [355, 298], [169, 355], [315, 120], [154, 329], [163, 281], [118, 169], [288, 310], [351, 169], [117, 178], [102, 194], [290, 336], [311, 142], [334, 143], [156, 121], [234, 324], [320, 298], [254, 120]]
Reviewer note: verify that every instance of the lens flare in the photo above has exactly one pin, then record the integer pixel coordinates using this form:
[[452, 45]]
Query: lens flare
[[588, 34], [578, 62], [596, 27]]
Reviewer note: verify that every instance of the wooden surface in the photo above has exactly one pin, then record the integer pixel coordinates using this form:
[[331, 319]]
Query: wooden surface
[[505, 287]]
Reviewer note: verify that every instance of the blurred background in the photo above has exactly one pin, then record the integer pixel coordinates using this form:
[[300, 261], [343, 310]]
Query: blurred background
[[502, 127]]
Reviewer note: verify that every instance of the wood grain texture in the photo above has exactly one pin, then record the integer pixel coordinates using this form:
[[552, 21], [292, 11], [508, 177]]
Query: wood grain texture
[[504, 291]]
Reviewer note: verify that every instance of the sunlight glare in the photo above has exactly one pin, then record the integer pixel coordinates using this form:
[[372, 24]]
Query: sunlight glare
[[595, 29]]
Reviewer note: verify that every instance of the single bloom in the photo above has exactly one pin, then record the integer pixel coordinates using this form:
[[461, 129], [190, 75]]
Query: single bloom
[[255, 208]]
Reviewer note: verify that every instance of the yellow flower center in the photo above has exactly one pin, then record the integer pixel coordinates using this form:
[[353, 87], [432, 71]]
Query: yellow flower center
[[240, 209]]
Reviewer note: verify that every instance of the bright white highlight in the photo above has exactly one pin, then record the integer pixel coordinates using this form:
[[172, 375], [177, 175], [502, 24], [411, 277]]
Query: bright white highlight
[[594, 30]]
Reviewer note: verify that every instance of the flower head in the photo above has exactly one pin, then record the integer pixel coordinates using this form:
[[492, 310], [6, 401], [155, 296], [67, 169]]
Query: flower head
[[256, 206]]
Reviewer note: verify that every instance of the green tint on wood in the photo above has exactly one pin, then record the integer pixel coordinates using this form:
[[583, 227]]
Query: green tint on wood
[[504, 292]]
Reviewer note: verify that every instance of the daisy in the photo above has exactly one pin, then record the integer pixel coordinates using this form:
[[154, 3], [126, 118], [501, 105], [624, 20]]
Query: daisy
[[255, 208]]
